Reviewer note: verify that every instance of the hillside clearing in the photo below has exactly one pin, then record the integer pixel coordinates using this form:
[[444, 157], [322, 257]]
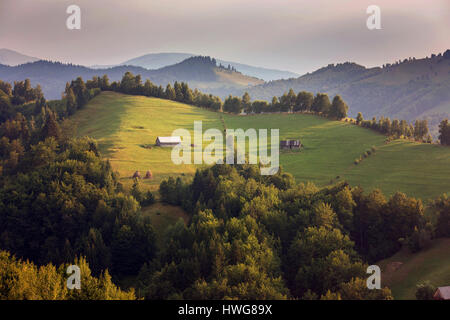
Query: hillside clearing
[[127, 126], [431, 264]]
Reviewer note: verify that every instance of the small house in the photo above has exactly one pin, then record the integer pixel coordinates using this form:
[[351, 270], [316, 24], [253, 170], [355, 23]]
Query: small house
[[168, 141], [290, 144], [442, 293]]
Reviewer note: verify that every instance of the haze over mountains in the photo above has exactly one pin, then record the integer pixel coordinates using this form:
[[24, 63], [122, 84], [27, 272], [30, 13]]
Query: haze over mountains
[[159, 60], [14, 58], [409, 89], [200, 72]]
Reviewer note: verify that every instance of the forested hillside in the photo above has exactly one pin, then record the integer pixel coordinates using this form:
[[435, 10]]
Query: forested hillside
[[409, 89], [200, 72]]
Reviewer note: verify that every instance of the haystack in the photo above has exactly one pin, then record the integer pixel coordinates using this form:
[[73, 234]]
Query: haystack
[[137, 175], [148, 175]]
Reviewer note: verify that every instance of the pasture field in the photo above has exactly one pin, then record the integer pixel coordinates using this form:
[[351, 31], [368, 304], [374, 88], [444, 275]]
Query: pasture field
[[331, 147], [403, 271], [126, 126]]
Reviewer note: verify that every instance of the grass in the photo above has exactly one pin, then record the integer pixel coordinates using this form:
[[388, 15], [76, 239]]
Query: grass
[[162, 216], [432, 264], [126, 126], [331, 147]]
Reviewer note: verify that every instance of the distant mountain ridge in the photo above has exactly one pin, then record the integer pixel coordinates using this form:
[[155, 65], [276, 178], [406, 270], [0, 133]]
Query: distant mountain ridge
[[409, 89], [199, 72], [14, 58], [160, 60]]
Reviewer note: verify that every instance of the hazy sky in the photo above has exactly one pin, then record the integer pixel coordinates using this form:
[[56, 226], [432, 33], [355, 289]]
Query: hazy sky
[[296, 35]]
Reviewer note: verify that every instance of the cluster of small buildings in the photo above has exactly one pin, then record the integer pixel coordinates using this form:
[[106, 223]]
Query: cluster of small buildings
[[176, 140], [290, 144]]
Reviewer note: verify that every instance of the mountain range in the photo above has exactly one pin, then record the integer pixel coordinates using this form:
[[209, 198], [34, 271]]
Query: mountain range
[[157, 61], [200, 72], [14, 58], [408, 89], [160, 60]]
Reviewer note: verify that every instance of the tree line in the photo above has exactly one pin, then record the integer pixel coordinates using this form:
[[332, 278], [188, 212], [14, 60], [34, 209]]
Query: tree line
[[418, 131], [24, 280], [60, 200], [290, 102], [30, 101], [253, 237]]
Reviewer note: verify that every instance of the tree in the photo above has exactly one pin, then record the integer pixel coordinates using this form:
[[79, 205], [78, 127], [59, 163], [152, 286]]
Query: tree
[[136, 191], [442, 207], [395, 128], [338, 108], [359, 118], [321, 103], [444, 132], [425, 291], [51, 127], [170, 92], [232, 104], [274, 106], [246, 104], [104, 83], [356, 289], [71, 102], [81, 93], [304, 101], [23, 280], [178, 91], [6, 88], [420, 129], [6, 110], [291, 100]]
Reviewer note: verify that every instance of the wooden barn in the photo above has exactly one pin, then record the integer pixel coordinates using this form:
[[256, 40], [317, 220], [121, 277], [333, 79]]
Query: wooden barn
[[290, 144], [168, 141], [442, 293]]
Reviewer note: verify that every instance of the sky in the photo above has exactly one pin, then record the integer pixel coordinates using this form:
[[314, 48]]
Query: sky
[[294, 35]]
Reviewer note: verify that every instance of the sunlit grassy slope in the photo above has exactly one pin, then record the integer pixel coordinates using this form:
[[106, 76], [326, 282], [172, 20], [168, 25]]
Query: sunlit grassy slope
[[124, 124], [403, 271]]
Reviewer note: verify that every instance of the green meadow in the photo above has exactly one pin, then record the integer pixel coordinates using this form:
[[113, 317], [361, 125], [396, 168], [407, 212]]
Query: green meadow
[[404, 270], [126, 128]]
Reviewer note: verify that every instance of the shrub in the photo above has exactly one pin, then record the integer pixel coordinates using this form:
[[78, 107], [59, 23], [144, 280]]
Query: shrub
[[149, 199], [425, 291]]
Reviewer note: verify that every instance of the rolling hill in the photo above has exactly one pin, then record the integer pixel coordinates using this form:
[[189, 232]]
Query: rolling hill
[[160, 60], [126, 126], [199, 72], [410, 89]]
